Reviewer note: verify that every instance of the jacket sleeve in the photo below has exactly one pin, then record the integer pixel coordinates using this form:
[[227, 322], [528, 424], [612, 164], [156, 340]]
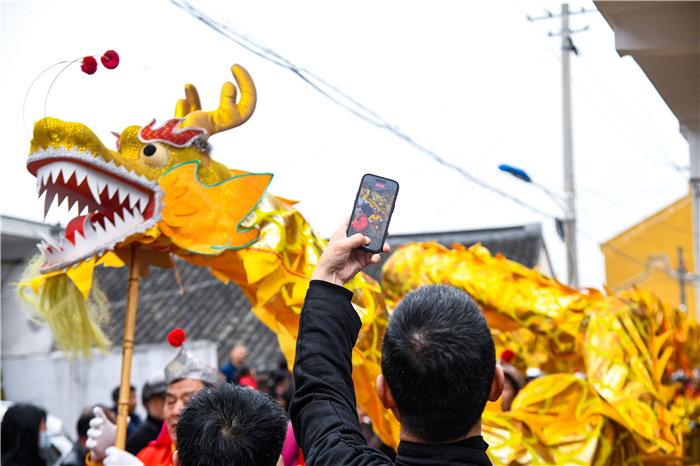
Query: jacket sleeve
[[323, 408]]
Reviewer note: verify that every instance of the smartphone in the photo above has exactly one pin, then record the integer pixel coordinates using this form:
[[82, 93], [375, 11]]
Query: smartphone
[[372, 211]]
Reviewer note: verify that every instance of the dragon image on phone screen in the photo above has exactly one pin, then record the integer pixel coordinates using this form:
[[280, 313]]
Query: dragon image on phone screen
[[372, 211]]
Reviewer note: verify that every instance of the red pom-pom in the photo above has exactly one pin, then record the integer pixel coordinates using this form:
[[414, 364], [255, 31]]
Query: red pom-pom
[[176, 337], [110, 59], [89, 65], [507, 355]]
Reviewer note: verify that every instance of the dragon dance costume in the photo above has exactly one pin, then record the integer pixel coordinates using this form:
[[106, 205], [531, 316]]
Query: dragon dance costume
[[161, 189]]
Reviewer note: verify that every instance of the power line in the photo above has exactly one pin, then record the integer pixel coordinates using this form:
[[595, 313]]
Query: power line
[[612, 96], [338, 97], [353, 106], [642, 150]]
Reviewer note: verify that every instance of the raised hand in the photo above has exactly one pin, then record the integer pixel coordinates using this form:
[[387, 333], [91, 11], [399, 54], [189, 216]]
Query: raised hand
[[342, 260]]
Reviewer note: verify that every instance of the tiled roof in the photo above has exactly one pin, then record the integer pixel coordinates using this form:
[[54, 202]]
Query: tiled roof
[[521, 244], [208, 310], [211, 310]]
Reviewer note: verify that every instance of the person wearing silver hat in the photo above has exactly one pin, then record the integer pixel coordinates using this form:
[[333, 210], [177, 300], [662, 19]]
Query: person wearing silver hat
[[185, 375], [153, 396]]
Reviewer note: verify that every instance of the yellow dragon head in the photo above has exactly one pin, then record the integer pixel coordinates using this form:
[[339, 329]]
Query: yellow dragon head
[[159, 186]]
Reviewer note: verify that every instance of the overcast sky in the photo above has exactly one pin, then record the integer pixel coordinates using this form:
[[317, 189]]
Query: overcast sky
[[475, 82]]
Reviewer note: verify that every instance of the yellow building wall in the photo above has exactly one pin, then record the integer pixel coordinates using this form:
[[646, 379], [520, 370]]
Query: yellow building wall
[[646, 255]]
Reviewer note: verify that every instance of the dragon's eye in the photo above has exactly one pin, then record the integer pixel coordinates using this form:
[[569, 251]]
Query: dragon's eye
[[154, 155]]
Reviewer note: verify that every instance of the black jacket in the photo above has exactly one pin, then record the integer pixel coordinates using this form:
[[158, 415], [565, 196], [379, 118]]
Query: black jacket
[[323, 408], [146, 432]]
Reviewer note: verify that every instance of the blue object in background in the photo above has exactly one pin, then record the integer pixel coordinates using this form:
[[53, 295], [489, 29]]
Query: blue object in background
[[518, 173]]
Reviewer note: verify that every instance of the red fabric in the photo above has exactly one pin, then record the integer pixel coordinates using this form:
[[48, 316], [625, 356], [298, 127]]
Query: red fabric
[[159, 452], [248, 381]]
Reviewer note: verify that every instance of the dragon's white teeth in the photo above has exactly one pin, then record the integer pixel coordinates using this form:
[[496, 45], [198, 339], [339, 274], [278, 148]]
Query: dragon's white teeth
[[99, 231], [109, 225], [119, 219], [49, 241], [71, 202], [50, 195], [62, 195], [80, 174], [116, 182], [102, 182], [123, 193], [42, 175], [138, 217], [82, 205], [68, 169], [92, 184], [133, 199], [55, 169], [112, 188], [143, 201], [79, 240]]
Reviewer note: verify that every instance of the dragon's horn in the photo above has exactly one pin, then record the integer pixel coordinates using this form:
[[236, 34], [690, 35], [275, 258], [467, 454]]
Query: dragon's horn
[[229, 114], [189, 104]]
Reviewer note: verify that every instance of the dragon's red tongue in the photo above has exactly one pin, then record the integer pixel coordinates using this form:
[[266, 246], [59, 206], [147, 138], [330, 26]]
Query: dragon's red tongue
[[78, 224]]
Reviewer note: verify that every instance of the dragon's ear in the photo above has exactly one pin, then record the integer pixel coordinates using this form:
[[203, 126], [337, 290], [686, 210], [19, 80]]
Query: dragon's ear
[[207, 219]]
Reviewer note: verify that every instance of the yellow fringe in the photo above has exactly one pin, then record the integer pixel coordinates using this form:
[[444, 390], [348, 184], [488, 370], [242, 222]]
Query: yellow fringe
[[76, 323]]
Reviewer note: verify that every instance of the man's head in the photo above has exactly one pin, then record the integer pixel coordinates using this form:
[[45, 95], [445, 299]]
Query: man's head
[[179, 392], [228, 424], [132, 398], [238, 354], [438, 364], [153, 395]]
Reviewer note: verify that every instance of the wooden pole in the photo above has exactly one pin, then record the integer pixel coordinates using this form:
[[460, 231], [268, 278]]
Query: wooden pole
[[128, 345]]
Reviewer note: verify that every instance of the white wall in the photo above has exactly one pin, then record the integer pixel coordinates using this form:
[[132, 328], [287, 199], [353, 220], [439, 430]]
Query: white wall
[[65, 387]]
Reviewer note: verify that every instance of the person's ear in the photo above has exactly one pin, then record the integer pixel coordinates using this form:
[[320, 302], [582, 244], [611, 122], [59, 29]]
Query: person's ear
[[384, 393], [176, 459], [499, 381]]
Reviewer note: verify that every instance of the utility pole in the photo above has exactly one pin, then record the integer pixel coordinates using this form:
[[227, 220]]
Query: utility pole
[[570, 224], [567, 47]]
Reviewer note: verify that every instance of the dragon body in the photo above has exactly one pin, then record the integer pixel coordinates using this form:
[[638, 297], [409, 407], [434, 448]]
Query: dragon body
[[161, 189]]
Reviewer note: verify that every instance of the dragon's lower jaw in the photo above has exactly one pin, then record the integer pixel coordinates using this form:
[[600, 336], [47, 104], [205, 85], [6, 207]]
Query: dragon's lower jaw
[[120, 203]]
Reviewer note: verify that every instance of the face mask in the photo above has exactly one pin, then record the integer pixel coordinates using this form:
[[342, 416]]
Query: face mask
[[44, 440]]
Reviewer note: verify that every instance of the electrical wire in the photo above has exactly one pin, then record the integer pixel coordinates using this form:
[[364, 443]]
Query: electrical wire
[[338, 97], [642, 150], [602, 85], [342, 99]]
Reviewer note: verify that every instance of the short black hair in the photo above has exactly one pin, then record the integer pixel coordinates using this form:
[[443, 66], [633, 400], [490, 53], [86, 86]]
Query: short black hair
[[115, 393], [439, 360], [229, 424]]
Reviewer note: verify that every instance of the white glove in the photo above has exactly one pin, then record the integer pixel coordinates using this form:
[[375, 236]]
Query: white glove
[[101, 434], [117, 457]]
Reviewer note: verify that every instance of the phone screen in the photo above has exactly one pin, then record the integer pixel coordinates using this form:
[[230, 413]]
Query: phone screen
[[372, 211]]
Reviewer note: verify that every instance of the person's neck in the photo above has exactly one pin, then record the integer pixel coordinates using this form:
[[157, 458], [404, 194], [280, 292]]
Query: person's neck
[[408, 437]]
